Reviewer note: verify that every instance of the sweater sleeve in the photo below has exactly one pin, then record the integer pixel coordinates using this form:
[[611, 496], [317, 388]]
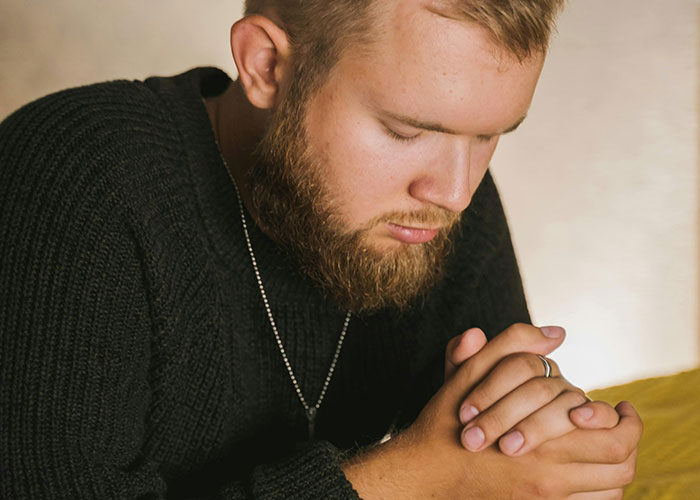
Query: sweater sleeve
[[75, 331]]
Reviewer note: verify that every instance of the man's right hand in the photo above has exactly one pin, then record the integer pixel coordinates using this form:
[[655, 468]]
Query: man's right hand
[[427, 461]]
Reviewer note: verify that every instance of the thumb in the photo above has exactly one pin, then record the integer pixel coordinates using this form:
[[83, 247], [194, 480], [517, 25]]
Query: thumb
[[461, 348], [594, 415]]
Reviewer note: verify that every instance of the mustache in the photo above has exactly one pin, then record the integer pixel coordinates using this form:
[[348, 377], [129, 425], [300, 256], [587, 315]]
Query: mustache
[[433, 217]]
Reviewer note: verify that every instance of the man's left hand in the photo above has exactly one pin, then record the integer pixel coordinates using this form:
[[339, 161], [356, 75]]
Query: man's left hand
[[517, 406]]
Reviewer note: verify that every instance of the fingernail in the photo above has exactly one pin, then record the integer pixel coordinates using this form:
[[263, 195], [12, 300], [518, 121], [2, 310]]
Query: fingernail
[[553, 332], [467, 413], [584, 412], [512, 442], [473, 438]]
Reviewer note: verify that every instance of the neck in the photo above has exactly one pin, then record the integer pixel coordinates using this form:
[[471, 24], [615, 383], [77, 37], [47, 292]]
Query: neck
[[238, 127]]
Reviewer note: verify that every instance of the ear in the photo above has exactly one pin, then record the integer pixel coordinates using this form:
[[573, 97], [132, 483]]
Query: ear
[[261, 51]]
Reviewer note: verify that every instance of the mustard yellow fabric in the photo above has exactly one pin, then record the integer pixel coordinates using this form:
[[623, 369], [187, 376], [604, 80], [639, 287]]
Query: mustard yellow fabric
[[668, 464]]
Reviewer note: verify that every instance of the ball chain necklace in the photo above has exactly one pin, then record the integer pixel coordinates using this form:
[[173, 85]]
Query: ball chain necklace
[[311, 411]]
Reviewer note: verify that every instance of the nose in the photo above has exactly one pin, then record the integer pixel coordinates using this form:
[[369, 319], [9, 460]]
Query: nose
[[447, 181]]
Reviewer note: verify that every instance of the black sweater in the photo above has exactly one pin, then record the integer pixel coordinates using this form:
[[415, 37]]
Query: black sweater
[[136, 358]]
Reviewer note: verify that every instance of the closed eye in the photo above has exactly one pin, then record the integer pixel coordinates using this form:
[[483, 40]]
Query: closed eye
[[399, 137]]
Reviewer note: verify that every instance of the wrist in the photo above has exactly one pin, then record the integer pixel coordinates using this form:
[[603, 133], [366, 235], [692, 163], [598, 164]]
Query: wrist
[[386, 471]]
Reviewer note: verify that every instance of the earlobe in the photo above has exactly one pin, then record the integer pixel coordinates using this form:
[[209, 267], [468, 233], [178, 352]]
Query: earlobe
[[261, 52]]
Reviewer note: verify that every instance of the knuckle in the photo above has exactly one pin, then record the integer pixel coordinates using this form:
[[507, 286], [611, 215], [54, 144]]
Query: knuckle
[[605, 410], [628, 472], [602, 404], [617, 452], [524, 363], [481, 397], [493, 424], [548, 388], [519, 332], [543, 488], [572, 398], [631, 468], [580, 394], [577, 397], [517, 326], [466, 373]]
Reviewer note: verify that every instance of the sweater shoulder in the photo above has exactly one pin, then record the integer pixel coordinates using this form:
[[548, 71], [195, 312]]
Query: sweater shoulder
[[127, 101], [87, 146], [106, 121]]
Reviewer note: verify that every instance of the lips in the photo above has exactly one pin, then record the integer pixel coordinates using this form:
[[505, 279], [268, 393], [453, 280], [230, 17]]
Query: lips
[[411, 235]]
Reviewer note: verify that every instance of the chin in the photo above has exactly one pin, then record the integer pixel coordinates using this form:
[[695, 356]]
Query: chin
[[386, 245]]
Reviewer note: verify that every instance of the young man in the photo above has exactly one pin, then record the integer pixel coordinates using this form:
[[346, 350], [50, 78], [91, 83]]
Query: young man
[[216, 289]]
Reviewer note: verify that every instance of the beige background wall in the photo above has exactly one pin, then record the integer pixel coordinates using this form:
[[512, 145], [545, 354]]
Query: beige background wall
[[600, 183], [602, 189]]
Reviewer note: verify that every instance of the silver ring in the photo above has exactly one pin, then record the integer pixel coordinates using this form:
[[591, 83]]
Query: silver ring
[[547, 366]]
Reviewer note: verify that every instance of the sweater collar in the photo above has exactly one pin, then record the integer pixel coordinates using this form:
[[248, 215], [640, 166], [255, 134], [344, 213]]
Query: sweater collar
[[216, 199]]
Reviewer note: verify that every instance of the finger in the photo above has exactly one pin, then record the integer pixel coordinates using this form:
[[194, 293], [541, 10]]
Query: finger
[[513, 371], [517, 338], [601, 477], [594, 415], [607, 446], [529, 397], [472, 341], [550, 422], [461, 348], [615, 494]]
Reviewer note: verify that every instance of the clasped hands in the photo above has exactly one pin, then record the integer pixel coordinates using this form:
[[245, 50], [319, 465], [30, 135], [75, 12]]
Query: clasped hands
[[498, 428]]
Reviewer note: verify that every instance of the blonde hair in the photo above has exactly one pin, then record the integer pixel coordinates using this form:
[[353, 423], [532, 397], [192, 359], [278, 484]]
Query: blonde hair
[[522, 27], [319, 30]]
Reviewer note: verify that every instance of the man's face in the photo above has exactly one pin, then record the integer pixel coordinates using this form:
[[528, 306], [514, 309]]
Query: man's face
[[374, 171]]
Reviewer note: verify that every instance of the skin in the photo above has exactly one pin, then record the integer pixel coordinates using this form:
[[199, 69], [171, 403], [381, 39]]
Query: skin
[[424, 461], [442, 71], [373, 172], [505, 396], [477, 91]]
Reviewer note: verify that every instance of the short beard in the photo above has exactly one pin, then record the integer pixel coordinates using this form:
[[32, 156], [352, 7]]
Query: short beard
[[295, 210]]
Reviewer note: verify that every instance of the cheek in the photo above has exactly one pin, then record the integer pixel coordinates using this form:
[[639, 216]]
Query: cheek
[[361, 170]]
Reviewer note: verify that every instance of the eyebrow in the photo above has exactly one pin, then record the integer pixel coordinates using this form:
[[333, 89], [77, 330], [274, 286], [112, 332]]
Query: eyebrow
[[436, 127], [442, 10]]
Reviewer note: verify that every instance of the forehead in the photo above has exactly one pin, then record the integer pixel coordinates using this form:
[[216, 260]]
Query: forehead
[[432, 66]]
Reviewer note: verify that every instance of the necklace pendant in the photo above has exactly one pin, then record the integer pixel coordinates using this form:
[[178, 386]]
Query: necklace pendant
[[311, 417]]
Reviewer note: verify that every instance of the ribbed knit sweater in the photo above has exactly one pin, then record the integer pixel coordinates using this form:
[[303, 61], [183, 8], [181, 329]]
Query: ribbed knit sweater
[[136, 357]]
